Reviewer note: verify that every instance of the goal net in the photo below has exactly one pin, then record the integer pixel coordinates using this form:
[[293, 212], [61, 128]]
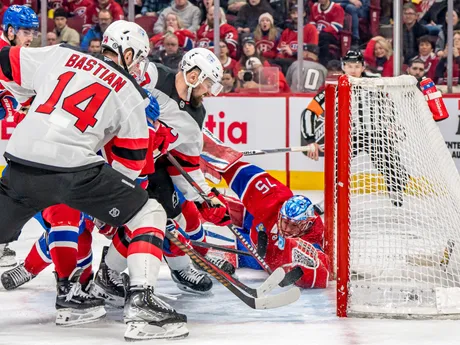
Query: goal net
[[392, 202]]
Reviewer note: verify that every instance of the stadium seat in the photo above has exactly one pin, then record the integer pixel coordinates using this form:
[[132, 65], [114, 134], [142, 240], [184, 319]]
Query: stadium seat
[[370, 27], [49, 24], [146, 23], [345, 35], [76, 23]]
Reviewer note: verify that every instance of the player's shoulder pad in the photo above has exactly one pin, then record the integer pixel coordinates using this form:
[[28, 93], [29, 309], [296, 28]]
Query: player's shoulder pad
[[166, 81]]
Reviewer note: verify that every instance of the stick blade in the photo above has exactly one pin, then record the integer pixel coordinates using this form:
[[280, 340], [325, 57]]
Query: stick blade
[[271, 282], [291, 277], [279, 300]]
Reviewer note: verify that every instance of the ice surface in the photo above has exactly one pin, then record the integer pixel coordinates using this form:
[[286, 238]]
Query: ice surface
[[27, 316]]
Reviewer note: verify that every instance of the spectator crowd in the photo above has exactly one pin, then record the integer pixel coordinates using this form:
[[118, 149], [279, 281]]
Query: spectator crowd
[[258, 38]]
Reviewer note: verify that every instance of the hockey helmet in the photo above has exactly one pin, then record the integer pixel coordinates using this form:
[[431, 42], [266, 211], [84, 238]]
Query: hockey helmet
[[353, 56], [296, 216], [208, 64], [19, 17], [122, 35]]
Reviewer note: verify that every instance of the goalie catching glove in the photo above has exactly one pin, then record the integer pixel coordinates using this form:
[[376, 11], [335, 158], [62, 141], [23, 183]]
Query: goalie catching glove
[[217, 212]]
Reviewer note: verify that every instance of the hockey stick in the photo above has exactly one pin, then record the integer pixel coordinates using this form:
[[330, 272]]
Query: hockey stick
[[257, 300], [281, 150], [290, 278], [220, 248]]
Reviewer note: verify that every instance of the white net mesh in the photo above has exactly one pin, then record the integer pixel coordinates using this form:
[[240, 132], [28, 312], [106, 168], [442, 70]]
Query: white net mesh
[[404, 223]]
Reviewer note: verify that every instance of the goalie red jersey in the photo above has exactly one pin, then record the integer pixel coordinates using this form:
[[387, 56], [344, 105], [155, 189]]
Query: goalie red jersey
[[228, 34], [263, 197]]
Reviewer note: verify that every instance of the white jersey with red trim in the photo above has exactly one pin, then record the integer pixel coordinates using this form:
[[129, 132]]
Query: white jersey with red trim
[[81, 103], [186, 122]]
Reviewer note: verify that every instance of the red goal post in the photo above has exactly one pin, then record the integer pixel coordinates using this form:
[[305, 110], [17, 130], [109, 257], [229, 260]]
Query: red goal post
[[392, 200]]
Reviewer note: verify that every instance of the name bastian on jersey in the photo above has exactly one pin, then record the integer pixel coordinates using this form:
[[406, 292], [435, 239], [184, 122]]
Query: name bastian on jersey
[[81, 103]]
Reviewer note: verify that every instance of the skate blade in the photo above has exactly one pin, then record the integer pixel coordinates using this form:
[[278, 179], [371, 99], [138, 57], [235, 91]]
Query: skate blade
[[185, 288], [112, 300], [71, 317], [8, 261], [139, 331]]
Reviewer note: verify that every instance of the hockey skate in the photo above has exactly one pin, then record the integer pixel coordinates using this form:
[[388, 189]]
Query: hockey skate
[[108, 284], [148, 317], [223, 264], [192, 280], [73, 305], [7, 256], [15, 277]]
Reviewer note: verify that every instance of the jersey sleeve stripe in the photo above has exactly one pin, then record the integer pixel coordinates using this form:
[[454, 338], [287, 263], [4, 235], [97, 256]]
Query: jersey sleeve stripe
[[134, 155], [186, 160], [134, 165], [15, 64], [243, 178], [131, 144], [5, 64]]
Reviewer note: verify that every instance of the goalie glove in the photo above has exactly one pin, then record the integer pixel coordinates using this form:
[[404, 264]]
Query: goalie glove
[[216, 213]]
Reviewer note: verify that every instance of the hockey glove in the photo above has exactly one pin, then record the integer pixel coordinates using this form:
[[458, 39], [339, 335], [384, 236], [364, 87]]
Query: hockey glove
[[7, 105], [153, 109], [163, 137], [105, 229], [216, 213]]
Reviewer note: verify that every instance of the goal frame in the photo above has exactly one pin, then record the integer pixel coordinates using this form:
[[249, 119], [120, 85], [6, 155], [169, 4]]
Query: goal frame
[[337, 217], [340, 219]]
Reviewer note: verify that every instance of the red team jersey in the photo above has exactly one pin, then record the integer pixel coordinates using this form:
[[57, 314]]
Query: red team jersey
[[185, 38], [289, 37], [231, 64], [92, 13], [3, 42], [262, 196], [228, 34], [80, 8], [431, 61], [329, 20], [266, 47]]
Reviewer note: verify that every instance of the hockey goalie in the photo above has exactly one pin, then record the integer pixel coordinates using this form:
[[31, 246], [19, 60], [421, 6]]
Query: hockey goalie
[[283, 227]]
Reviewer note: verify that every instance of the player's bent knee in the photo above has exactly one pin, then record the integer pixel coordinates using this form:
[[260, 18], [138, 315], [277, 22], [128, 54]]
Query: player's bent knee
[[58, 215], [152, 214]]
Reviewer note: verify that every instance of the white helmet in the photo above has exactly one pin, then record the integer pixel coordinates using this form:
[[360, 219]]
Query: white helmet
[[122, 35], [209, 65]]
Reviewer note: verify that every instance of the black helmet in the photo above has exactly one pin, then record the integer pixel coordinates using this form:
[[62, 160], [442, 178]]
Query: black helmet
[[353, 56]]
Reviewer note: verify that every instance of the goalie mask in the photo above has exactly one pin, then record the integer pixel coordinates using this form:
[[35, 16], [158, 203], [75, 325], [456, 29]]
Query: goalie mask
[[296, 217]]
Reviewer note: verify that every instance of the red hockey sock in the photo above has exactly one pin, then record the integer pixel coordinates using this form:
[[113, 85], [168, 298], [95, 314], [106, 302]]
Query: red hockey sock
[[36, 261], [63, 237], [85, 255]]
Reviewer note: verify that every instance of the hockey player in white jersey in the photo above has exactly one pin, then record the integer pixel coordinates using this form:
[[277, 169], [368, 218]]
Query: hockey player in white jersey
[[182, 114], [81, 103]]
